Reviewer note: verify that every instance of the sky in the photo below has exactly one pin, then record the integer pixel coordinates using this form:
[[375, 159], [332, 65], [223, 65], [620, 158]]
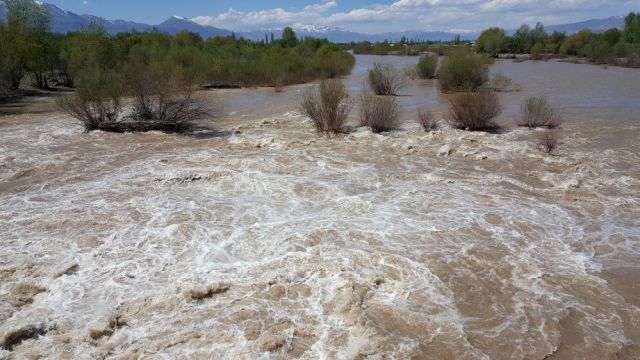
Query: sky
[[356, 15]]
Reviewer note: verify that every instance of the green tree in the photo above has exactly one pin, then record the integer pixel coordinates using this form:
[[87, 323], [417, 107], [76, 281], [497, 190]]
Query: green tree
[[536, 50], [632, 28], [491, 41], [26, 31], [289, 38], [612, 36], [523, 40]]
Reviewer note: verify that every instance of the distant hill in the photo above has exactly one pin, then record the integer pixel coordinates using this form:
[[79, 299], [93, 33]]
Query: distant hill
[[593, 25], [65, 21], [176, 24]]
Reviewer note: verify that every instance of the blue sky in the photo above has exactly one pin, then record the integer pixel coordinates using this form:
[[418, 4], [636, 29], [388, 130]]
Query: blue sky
[[356, 15]]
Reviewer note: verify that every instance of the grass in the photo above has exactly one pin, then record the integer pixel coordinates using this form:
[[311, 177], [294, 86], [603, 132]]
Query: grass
[[328, 105], [462, 71], [379, 113], [385, 80], [474, 111], [536, 112]]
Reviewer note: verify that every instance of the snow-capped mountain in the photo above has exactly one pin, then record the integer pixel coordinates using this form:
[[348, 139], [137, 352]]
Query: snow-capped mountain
[[65, 21]]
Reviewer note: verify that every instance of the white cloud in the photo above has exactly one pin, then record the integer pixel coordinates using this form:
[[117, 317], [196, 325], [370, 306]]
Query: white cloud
[[424, 14], [237, 20]]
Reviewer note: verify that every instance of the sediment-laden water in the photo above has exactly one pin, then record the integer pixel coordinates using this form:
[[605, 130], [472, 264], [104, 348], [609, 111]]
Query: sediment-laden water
[[263, 240]]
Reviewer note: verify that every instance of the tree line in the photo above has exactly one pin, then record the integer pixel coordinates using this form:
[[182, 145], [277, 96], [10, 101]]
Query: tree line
[[30, 54], [600, 47]]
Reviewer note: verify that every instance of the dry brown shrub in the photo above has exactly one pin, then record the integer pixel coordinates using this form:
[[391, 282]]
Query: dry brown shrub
[[379, 113], [427, 120], [474, 111], [328, 105], [536, 112]]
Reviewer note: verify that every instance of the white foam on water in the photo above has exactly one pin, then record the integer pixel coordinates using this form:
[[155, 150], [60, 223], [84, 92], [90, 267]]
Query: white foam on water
[[364, 244]]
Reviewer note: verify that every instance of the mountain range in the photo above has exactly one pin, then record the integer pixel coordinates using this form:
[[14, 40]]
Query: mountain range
[[65, 21]]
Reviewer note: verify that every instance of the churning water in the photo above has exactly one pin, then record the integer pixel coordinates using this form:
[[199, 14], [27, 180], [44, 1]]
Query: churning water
[[265, 240]]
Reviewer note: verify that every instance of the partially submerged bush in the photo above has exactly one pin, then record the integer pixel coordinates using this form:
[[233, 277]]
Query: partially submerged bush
[[548, 141], [538, 113], [97, 102], [427, 66], [474, 111], [379, 113], [461, 71], [328, 106], [163, 101], [160, 102], [427, 121], [385, 80]]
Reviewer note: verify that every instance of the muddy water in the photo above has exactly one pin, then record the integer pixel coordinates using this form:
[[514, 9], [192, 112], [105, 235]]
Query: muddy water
[[263, 240]]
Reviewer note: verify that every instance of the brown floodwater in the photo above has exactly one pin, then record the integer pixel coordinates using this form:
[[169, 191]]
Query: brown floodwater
[[260, 239]]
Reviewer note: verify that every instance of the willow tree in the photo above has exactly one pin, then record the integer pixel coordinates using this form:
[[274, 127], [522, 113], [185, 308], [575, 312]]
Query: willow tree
[[31, 45], [491, 41]]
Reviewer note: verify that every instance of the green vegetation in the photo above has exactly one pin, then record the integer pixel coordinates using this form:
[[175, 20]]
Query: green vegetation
[[609, 47], [491, 41], [51, 59], [427, 66], [462, 70], [327, 105], [474, 111]]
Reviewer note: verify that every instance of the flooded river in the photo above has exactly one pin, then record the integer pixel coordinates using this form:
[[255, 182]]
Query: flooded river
[[261, 239]]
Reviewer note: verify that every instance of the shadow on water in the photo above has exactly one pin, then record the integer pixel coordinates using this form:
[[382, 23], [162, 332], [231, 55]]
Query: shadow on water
[[31, 102]]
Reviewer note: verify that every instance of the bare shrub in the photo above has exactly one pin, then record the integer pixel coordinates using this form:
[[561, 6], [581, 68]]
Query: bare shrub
[[538, 113], [162, 101], [328, 106], [548, 141], [94, 114], [427, 66], [96, 103], [385, 80], [427, 121], [474, 111], [379, 113]]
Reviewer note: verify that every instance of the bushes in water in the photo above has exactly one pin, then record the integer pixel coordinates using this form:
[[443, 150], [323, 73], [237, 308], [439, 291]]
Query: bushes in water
[[548, 141], [474, 111], [427, 121], [427, 66], [97, 103], [379, 113], [385, 80], [461, 71], [327, 105], [536, 112], [161, 101]]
